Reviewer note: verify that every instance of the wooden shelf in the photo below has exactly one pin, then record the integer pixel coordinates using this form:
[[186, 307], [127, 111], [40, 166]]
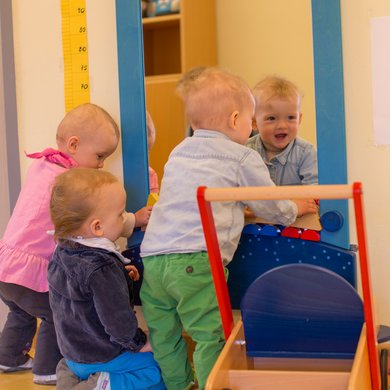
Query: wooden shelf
[[157, 22], [165, 78], [162, 45], [173, 44]]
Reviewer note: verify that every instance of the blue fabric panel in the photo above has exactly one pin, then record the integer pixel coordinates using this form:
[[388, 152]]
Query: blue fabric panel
[[257, 254], [304, 311]]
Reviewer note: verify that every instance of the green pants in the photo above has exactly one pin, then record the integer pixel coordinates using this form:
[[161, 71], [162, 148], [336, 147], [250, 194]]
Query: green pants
[[178, 292]]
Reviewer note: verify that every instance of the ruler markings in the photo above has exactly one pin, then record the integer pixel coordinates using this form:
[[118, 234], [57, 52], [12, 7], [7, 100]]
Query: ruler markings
[[75, 51]]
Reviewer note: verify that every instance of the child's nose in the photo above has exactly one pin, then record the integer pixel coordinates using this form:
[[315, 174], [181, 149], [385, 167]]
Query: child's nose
[[282, 123]]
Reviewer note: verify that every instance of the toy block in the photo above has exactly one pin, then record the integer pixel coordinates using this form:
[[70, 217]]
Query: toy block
[[152, 199], [310, 235], [252, 229], [291, 232], [269, 230]]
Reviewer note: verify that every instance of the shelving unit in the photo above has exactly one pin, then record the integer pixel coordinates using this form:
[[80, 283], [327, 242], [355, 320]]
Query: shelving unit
[[162, 45], [172, 45]]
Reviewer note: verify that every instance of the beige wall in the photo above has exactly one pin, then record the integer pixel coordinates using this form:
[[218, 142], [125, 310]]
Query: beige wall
[[257, 38], [366, 162], [39, 71], [4, 192]]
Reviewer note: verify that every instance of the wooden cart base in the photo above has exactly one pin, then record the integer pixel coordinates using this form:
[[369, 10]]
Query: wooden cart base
[[234, 370]]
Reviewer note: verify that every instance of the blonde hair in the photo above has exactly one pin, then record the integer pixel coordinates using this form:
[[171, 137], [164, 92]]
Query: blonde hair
[[151, 130], [187, 79], [73, 198], [210, 95], [83, 120], [275, 86]]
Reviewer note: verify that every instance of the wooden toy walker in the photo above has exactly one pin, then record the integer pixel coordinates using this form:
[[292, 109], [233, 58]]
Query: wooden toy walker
[[305, 327]]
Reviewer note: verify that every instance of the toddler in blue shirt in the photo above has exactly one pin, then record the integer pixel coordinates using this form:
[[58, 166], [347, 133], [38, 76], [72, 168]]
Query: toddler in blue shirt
[[290, 160]]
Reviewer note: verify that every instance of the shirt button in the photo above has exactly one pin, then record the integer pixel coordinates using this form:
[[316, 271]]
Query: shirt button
[[189, 269]]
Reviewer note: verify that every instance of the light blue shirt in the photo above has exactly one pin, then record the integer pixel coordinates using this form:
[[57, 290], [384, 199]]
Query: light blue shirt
[[296, 165], [211, 159]]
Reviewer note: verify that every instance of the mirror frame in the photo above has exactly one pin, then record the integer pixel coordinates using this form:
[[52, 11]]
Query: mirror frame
[[329, 95]]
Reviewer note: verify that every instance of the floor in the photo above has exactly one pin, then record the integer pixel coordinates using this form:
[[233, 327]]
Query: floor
[[23, 380], [20, 381]]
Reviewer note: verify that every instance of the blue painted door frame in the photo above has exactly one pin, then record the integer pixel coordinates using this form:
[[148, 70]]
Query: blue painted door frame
[[132, 102], [330, 115]]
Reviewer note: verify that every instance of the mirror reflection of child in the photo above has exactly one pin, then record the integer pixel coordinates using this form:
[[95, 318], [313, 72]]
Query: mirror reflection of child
[[97, 330], [290, 159], [190, 76], [151, 135]]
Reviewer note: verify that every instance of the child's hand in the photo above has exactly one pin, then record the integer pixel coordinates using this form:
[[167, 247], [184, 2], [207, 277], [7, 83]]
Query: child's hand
[[248, 213], [142, 216], [133, 272], [147, 347], [306, 206]]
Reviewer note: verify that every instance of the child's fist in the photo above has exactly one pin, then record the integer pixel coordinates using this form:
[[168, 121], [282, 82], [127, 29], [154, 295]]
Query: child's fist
[[142, 216], [133, 272], [306, 206]]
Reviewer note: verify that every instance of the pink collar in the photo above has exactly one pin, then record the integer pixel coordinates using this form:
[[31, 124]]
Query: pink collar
[[55, 157]]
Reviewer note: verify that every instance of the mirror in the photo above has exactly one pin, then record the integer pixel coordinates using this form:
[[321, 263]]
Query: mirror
[[314, 25], [265, 38]]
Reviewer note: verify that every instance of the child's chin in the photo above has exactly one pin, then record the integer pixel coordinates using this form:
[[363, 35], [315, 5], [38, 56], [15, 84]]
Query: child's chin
[[280, 146]]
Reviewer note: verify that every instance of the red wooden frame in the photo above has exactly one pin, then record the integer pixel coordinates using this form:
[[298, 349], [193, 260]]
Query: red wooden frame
[[316, 192]]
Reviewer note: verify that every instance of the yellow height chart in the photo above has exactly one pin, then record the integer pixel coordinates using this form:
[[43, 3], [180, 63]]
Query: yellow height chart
[[75, 50]]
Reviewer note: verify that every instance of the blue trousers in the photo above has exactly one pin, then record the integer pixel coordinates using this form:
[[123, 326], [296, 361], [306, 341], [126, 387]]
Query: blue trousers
[[138, 371]]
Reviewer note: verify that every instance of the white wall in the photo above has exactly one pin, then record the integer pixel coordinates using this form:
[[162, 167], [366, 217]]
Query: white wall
[[39, 73], [39, 70], [367, 162], [257, 38], [4, 192], [39, 80]]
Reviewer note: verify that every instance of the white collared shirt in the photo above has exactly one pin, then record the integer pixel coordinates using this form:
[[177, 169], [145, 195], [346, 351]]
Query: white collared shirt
[[103, 243], [209, 158]]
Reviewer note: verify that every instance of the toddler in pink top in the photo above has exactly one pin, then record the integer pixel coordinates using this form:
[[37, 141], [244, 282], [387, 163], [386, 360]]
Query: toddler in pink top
[[86, 136], [151, 130]]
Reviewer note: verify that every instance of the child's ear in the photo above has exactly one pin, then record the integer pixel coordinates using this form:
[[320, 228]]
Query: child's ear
[[254, 125], [300, 118], [233, 119], [72, 144], [96, 228]]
